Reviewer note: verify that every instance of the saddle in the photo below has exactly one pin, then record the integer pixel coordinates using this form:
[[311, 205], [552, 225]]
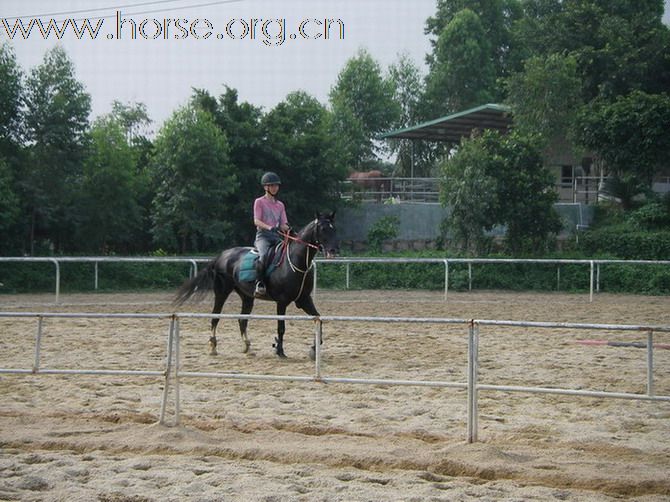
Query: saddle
[[248, 264]]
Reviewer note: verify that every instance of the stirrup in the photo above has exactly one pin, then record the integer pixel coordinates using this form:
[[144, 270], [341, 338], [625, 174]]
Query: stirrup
[[260, 290]]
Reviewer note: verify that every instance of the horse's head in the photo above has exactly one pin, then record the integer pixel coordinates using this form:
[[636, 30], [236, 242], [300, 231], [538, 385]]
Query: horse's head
[[325, 234]]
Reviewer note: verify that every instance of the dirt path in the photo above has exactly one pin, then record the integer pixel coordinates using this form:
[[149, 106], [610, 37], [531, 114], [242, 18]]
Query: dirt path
[[96, 438]]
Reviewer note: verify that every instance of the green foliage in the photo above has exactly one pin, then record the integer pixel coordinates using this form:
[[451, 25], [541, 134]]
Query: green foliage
[[111, 217], [304, 154], [630, 134], [640, 234], [497, 19], [413, 157], [546, 96], [614, 278], [499, 180], [9, 209], [196, 183], [11, 93], [56, 120], [383, 229], [80, 277], [619, 46], [241, 123], [463, 74], [625, 243], [363, 107]]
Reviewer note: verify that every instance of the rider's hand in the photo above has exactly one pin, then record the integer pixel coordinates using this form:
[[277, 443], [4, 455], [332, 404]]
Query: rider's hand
[[275, 230]]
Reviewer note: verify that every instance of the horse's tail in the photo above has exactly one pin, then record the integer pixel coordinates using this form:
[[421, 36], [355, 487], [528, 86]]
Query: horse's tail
[[197, 286]]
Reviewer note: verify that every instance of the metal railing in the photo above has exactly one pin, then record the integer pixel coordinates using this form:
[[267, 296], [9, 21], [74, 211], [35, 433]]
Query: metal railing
[[594, 266], [173, 373], [392, 190], [96, 260]]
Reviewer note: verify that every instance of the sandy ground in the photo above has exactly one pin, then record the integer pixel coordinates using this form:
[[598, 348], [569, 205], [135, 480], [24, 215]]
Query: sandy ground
[[95, 437]]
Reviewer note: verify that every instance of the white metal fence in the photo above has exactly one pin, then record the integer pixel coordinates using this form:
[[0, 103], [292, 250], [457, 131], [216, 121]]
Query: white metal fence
[[592, 266], [173, 374]]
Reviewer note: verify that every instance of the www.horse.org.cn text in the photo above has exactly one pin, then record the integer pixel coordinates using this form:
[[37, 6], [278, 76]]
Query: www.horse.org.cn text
[[270, 32]]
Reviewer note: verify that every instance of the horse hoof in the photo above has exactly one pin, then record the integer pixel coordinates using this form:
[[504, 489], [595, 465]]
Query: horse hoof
[[245, 347], [312, 354]]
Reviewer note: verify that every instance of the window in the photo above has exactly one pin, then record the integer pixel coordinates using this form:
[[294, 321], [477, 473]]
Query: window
[[567, 174]]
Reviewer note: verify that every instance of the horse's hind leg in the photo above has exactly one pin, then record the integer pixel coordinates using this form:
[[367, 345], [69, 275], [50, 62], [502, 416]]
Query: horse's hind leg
[[247, 306], [221, 293]]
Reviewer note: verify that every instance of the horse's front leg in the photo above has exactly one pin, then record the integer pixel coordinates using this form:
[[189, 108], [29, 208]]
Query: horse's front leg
[[281, 328], [307, 305]]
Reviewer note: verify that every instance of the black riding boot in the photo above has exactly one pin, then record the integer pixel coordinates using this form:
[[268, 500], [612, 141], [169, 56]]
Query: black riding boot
[[260, 273]]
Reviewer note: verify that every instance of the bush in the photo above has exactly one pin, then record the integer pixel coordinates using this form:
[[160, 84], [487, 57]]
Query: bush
[[622, 242]]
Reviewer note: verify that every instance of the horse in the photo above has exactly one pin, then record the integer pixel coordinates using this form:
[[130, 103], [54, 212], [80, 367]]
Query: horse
[[369, 181], [291, 281]]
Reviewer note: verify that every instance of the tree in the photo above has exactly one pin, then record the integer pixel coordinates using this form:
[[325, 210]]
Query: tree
[[546, 97], [468, 191], [412, 157], [241, 123], [133, 119], [56, 119], [463, 73], [196, 184], [499, 180], [109, 200], [10, 147], [497, 18], [11, 94], [304, 154], [619, 46], [630, 135], [363, 107], [9, 203]]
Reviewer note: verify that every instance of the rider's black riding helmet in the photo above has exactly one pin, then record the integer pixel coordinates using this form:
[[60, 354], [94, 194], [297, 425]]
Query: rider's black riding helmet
[[270, 178]]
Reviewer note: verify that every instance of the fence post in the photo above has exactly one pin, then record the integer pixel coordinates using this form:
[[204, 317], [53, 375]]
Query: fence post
[[317, 349], [591, 284], [168, 370], [446, 279], [95, 279], [473, 350], [348, 272], [177, 344], [38, 345], [55, 262], [650, 363]]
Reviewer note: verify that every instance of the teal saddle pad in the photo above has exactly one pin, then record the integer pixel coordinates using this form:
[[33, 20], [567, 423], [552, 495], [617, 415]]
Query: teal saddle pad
[[248, 265]]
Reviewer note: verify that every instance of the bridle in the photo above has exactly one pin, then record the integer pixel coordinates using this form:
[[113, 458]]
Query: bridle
[[287, 242]]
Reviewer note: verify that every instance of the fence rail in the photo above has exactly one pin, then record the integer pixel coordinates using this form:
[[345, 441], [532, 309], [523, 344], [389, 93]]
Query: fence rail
[[173, 374], [593, 266]]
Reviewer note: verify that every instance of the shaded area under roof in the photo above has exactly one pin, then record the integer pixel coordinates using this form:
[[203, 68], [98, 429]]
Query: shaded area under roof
[[453, 127]]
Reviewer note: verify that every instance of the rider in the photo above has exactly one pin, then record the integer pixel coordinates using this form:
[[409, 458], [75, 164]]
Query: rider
[[270, 219]]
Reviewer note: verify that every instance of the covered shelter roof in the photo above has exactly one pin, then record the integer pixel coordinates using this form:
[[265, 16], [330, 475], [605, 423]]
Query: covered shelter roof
[[452, 128]]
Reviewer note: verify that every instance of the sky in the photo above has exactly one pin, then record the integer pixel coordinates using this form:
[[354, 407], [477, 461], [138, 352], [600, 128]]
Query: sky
[[156, 51], [249, 56]]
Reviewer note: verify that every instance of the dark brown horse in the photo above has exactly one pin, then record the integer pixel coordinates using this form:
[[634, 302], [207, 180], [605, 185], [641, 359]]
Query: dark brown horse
[[369, 181], [291, 281]]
